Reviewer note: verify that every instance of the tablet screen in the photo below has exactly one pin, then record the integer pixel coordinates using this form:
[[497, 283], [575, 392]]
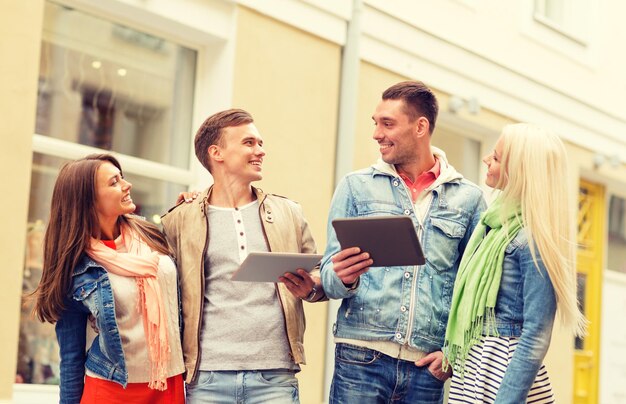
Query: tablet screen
[[390, 240]]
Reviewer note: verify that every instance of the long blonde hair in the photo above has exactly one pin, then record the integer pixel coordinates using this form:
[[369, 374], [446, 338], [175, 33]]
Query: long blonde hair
[[534, 174]]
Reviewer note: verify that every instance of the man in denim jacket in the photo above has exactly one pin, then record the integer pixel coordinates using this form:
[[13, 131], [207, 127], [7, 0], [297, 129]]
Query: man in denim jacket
[[392, 320]]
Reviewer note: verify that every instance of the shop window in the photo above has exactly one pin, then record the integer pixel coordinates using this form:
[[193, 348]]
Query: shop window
[[112, 87], [103, 87], [462, 152], [617, 234], [565, 16]]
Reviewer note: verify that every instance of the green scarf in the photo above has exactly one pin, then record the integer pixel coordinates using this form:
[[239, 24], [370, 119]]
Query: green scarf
[[477, 284]]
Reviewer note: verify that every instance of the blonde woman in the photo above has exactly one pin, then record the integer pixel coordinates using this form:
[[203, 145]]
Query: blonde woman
[[516, 271]]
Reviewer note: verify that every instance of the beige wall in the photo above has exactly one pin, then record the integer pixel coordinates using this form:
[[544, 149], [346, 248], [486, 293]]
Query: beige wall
[[289, 81], [20, 28]]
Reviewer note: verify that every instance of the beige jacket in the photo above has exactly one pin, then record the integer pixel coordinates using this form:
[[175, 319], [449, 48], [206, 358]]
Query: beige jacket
[[186, 229]]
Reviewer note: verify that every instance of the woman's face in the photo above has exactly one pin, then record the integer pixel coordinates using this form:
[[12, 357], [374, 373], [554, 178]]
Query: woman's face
[[493, 165], [112, 194]]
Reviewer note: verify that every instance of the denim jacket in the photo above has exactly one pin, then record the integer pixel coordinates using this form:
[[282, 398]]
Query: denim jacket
[[525, 308], [90, 293], [407, 305]]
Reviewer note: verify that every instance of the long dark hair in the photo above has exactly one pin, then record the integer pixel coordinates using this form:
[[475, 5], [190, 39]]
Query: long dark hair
[[73, 221]]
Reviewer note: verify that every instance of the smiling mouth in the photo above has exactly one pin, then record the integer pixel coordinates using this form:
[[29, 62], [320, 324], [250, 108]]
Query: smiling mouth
[[256, 163], [384, 146], [127, 198]]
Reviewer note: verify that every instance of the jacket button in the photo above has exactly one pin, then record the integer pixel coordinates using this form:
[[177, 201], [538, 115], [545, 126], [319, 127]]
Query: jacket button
[[396, 183], [398, 336], [403, 309], [407, 212], [407, 275]]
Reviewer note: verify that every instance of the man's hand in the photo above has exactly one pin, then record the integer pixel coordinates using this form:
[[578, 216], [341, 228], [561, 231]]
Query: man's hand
[[187, 197], [300, 285], [350, 263], [433, 360], [92, 324]]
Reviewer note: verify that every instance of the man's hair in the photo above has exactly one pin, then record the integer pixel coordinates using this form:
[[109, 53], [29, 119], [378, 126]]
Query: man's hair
[[210, 131], [419, 100]]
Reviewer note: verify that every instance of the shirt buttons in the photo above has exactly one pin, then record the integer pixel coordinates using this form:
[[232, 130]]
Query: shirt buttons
[[407, 212], [398, 336], [403, 309], [407, 275], [396, 183]]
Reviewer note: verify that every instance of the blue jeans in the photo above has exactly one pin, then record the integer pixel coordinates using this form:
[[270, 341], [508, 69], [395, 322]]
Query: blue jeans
[[364, 376], [244, 387]]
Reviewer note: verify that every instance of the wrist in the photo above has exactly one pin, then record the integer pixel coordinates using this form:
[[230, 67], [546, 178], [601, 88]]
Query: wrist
[[311, 295]]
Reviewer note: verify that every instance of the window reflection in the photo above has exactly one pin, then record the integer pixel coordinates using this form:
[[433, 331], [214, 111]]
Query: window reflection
[[617, 234], [112, 87]]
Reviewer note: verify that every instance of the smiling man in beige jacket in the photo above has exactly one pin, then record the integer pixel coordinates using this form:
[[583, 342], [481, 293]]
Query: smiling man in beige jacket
[[242, 342]]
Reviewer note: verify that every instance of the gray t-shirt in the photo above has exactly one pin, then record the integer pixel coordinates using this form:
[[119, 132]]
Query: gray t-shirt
[[243, 326]]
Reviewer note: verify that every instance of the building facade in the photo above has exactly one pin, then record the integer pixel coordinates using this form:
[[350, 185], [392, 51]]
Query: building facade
[[138, 77]]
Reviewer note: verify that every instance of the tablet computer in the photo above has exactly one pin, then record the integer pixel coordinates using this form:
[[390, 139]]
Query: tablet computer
[[268, 266], [390, 240]]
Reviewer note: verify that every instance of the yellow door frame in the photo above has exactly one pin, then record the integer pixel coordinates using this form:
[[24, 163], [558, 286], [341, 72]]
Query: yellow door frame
[[589, 265]]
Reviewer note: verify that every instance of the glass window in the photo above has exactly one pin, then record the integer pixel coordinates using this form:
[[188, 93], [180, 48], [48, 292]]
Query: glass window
[[38, 356], [564, 15], [617, 234], [463, 153], [105, 85]]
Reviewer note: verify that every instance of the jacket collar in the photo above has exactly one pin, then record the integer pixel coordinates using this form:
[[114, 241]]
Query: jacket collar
[[448, 172], [84, 263], [203, 201]]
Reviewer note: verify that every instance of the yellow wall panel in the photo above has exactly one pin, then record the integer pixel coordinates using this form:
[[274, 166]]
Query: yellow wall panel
[[19, 62]]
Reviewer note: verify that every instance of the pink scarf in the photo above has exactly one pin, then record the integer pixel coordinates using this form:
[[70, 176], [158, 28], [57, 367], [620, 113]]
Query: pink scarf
[[141, 263]]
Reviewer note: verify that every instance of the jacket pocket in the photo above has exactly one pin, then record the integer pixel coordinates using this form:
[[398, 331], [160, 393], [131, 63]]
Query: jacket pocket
[[82, 292], [442, 249], [86, 295], [378, 208]]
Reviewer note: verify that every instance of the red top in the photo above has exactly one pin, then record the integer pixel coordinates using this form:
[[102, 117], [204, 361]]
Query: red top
[[109, 243], [423, 181]]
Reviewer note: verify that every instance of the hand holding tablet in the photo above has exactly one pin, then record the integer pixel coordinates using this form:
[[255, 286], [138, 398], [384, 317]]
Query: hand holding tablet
[[269, 266]]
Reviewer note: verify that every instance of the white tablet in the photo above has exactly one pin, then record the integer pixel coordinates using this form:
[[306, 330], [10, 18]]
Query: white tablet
[[390, 240], [268, 266]]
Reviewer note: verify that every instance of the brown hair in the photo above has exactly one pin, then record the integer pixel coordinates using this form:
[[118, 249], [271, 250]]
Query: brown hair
[[210, 131], [73, 221], [419, 100]]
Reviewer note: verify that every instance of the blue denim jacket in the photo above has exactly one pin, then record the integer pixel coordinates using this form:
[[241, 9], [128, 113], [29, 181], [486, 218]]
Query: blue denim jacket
[[90, 293], [403, 304], [525, 308]]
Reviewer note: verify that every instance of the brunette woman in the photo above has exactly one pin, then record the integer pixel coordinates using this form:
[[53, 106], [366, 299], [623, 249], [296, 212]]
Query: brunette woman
[[100, 260]]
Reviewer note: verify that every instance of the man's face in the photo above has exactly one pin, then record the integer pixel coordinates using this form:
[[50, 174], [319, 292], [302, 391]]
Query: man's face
[[241, 152], [396, 135]]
